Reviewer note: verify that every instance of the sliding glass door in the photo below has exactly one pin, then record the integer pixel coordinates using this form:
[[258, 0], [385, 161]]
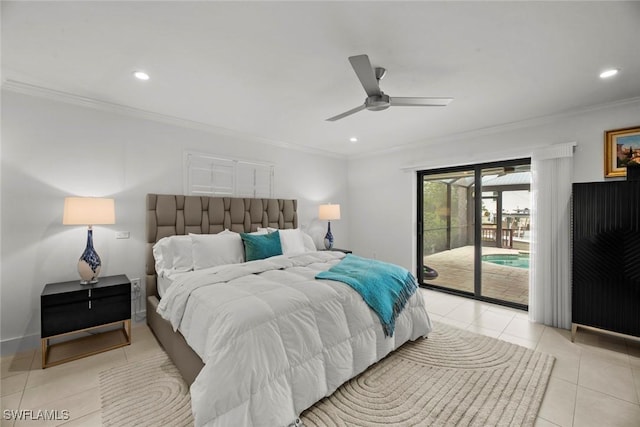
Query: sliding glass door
[[473, 230], [448, 219]]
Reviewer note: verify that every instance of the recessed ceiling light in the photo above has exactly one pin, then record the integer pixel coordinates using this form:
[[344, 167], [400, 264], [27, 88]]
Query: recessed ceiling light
[[141, 75], [609, 73], [353, 139]]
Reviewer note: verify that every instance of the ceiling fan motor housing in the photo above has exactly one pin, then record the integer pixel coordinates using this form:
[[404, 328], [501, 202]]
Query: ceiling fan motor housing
[[377, 102]]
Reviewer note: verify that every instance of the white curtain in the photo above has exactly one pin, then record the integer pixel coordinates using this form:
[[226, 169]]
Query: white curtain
[[550, 272]]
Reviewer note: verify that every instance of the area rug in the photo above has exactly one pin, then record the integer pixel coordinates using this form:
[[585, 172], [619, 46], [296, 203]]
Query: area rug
[[147, 393], [453, 378]]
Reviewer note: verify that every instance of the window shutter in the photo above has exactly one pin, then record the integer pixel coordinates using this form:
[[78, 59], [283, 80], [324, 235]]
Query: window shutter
[[213, 176]]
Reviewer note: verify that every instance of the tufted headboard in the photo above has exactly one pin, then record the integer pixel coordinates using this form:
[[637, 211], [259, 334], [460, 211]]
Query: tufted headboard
[[169, 215]]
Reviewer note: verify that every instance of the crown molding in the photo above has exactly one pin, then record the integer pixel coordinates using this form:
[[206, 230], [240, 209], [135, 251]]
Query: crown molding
[[71, 98], [505, 127], [97, 104]]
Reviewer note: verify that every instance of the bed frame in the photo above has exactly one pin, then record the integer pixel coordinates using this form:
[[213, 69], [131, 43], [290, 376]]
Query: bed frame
[[170, 215]]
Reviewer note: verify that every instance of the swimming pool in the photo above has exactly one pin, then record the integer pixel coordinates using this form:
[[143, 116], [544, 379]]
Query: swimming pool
[[509, 260]]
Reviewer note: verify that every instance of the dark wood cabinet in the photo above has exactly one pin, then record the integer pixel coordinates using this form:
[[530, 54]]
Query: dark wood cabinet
[[606, 256], [71, 308]]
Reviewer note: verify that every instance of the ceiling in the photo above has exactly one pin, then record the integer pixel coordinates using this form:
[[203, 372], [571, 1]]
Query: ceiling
[[276, 70]]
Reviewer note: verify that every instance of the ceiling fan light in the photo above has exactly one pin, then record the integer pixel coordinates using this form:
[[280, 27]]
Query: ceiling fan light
[[353, 139], [609, 73]]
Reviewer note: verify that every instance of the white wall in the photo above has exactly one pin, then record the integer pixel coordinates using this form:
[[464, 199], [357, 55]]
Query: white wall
[[382, 214], [52, 149]]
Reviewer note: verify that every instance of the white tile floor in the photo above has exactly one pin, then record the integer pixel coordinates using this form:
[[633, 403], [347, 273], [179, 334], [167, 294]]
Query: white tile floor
[[595, 381]]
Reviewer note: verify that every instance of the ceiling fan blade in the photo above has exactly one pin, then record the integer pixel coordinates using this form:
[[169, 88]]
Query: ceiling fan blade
[[420, 102], [362, 66], [345, 114]]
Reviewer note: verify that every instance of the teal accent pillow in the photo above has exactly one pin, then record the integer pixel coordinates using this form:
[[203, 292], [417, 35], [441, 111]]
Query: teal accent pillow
[[261, 246]]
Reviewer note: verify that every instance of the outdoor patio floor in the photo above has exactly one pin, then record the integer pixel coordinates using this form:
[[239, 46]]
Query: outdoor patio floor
[[455, 271]]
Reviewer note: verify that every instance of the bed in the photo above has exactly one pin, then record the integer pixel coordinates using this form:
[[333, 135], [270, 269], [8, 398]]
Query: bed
[[275, 339]]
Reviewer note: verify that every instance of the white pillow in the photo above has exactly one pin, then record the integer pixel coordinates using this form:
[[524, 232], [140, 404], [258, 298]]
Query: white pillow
[[309, 244], [266, 230], [162, 261], [173, 253], [210, 250], [307, 241], [292, 241], [262, 231]]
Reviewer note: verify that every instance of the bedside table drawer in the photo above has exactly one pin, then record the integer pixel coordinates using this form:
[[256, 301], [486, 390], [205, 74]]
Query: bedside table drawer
[[65, 318], [124, 289], [65, 298], [85, 295]]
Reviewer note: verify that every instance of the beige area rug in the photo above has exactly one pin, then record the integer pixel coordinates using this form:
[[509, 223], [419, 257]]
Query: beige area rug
[[148, 393], [453, 378]]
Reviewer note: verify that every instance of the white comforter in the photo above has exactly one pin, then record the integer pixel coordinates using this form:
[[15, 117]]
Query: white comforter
[[274, 340]]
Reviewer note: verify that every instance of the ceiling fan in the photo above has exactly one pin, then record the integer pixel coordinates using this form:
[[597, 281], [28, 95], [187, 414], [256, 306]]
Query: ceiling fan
[[376, 99]]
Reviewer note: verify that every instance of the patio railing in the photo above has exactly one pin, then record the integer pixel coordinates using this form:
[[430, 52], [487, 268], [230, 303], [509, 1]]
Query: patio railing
[[490, 235]]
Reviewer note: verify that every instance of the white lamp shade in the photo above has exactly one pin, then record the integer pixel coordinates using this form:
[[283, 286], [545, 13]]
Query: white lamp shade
[[329, 212], [88, 211]]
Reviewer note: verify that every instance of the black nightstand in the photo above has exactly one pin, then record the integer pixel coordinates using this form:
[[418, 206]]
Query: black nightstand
[[346, 251], [68, 308]]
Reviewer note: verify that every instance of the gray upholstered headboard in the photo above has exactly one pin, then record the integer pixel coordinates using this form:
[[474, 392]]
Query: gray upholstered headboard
[[169, 215]]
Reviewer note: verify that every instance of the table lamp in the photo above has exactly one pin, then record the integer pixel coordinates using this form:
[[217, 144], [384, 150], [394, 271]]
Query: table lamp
[[328, 212], [89, 211]]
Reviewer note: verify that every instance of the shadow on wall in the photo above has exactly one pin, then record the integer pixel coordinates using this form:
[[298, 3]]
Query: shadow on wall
[[316, 229], [33, 253]]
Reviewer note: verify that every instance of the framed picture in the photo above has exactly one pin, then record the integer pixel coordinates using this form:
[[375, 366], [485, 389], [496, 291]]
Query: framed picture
[[621, 146]]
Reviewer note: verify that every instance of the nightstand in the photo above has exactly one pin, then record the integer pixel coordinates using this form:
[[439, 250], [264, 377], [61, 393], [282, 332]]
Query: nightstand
[[69, 308], [346, 251]]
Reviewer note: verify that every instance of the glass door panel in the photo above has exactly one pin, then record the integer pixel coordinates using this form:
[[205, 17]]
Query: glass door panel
[[448, 230], [505, 234]]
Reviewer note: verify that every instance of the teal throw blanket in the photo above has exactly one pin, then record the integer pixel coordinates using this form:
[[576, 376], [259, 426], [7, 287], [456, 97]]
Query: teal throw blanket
[[385, 287]]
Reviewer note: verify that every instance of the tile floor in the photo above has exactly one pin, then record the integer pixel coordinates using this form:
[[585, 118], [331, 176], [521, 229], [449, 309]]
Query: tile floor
[[595, 381]]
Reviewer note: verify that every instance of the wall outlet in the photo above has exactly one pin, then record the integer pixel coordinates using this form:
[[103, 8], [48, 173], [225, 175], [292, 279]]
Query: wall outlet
[[135, 285], [122, 234]]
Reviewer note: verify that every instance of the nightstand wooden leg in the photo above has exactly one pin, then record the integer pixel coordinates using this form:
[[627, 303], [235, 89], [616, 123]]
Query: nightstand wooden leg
[[127, 326], [45, 345]]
